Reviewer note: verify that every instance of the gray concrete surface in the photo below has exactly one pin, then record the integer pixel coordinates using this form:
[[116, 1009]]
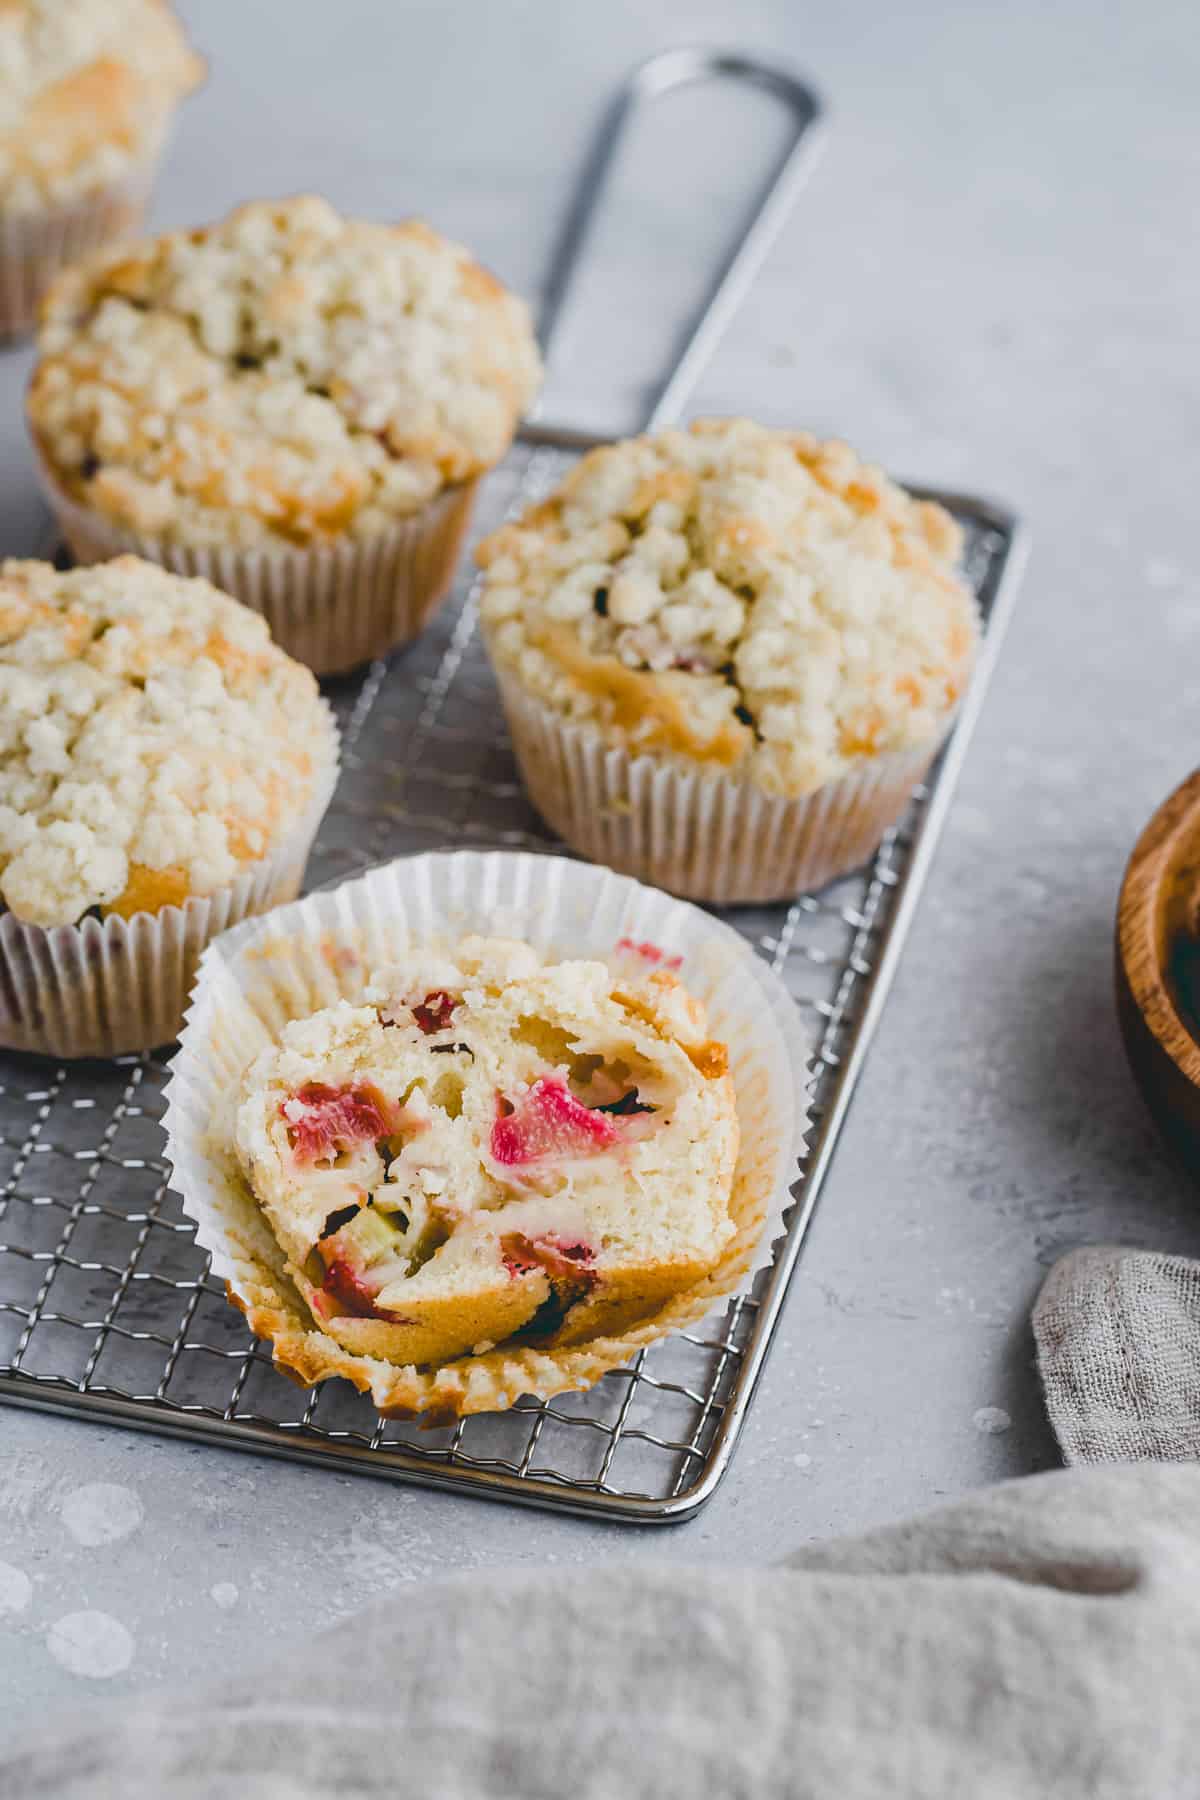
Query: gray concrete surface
[[993, 282]]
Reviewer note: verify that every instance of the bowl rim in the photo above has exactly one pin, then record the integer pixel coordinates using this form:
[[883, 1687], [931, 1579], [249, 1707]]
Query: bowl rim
[[1150, 863]]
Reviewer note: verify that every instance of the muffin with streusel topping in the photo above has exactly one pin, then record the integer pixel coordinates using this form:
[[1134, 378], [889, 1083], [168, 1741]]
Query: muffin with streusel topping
[[87, 94], [163, 770], [294, 404], [727, 655]]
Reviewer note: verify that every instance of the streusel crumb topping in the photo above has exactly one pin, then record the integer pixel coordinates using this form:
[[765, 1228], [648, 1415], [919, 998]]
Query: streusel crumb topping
[[743, 598], [153, 740], [285, 376], [87, 88]]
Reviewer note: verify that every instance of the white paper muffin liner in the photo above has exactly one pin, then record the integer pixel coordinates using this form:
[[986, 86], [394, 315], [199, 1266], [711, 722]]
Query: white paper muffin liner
[[106, 987], [34, 246], [332, 606], [267, 971], [702, 834]]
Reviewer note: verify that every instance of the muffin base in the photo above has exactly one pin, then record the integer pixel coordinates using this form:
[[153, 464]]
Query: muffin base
[[494, 1381], [704, 835], [108, 987], [35, 246], [333, 606]]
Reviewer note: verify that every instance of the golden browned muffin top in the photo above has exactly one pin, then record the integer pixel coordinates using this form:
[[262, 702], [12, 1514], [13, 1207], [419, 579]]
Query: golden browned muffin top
[[153, 740], [285, 376], [741, 597], [87, 88]]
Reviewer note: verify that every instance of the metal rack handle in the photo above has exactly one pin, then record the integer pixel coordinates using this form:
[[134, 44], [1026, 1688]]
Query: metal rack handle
[[662, 74]]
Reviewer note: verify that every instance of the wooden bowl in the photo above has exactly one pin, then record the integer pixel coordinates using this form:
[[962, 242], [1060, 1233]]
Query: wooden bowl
[[1158, 968]]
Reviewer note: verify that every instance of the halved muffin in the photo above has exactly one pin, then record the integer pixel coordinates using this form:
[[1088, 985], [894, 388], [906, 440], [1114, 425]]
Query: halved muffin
[[492, 1149]]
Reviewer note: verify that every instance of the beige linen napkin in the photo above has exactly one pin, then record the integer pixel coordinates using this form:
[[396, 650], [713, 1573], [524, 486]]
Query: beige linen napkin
[[1039, 1641], [1118, 1342]]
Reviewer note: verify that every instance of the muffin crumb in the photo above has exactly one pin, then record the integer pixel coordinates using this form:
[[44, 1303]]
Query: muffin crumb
[[491, 1148]]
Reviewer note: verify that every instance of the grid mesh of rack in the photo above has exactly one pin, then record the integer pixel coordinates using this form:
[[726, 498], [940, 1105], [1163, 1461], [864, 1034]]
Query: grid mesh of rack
[[107, 1310]]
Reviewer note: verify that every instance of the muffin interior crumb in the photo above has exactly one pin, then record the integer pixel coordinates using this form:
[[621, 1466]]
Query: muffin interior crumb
[[489, 1146]]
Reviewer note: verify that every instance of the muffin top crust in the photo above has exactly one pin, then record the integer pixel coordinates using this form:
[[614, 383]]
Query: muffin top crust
[[744, 599], [86, 92], [153, 740], [285, 377]]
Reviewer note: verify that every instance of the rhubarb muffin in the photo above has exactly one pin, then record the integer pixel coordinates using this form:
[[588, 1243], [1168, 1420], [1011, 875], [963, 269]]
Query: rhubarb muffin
[[87, 94], [727, 655], [491, 1150], [295, 404], [163, 769]]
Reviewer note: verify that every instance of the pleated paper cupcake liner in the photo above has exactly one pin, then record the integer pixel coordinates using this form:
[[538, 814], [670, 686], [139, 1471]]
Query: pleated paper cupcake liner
[[332, 606], [705, 835], [35, 246], [106, 987], [267, 971]]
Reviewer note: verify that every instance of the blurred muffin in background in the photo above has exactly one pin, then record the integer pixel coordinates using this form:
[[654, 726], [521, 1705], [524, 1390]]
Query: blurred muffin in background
[[88, 89], [727, 656], [296, 405]]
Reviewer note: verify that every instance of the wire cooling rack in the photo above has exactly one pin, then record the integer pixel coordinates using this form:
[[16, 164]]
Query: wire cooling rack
[[107, 1309]]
